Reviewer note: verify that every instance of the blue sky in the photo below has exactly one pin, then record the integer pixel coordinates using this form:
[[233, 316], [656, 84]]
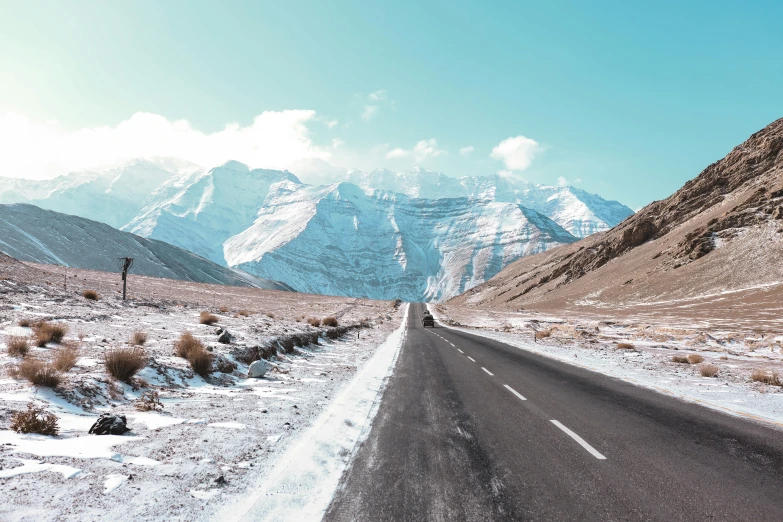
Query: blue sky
[[622, 99]]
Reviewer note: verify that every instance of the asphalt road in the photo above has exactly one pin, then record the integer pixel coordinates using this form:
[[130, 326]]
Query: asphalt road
[[474, 429]]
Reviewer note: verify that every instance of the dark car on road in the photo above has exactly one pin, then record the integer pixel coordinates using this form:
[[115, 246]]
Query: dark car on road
[[427, 320]]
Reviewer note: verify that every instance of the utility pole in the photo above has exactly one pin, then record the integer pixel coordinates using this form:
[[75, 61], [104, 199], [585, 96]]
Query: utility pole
[[125, 263]]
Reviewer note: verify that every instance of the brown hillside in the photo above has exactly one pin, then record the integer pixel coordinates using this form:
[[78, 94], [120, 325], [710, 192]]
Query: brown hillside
[[712, 249]]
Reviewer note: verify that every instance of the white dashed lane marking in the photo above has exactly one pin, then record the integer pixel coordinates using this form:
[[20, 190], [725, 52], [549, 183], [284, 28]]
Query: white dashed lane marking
[[489, 372], [512, 390], [579, 440], [471, 358], [460, 351]]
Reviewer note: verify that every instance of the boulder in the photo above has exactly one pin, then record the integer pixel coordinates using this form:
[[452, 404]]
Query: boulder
[[223, 365], [225, 337], [110, 424], [258, 369]]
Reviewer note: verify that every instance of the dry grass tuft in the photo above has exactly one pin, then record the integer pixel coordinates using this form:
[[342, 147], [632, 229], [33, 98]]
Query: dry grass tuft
[[708, 370], [542, 334], [207, 318], [65, 358], [149, 401], [34, 420], [38, 373], [329, 321], [314, 321], [125, 362], [26, 323], [17, 346], [200, 361], [243, 313], [766, 377], [680, 359], [223, 309], [270, 315], [92, 295], [695, 358], [44, 332], [626, 346], [138, 338], [186, 344]]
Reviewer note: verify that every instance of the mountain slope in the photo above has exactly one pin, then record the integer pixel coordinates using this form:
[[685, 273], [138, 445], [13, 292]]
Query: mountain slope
[[721, 233], [341, 240], [29, 233]]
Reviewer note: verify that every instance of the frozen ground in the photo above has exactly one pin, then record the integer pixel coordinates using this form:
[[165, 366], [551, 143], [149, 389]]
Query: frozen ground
[[647, 361], [215, 439]]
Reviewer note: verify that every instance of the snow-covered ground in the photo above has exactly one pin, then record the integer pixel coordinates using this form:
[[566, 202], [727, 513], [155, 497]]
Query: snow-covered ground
[[216, 438], [647, 361]]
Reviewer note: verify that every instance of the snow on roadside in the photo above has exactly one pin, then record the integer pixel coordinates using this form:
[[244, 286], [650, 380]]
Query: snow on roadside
[[303, 482], [648, 365]]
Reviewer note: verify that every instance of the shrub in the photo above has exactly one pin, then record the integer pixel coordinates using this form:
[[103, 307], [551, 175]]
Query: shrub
[[708, 370], [38, 373], [626, 346], [329, 321], [92, 295], [200, 361], [186, 344], [766, 377], [207, 318], [138, 338], [49, 332], [695, 358], [243, 313], [25, 322], [149, 401], [125, 362], [270, 315], [34, 420], [223, 309], [17, 346], [65, 358], [680, 359], [543, 334], [314, 321]]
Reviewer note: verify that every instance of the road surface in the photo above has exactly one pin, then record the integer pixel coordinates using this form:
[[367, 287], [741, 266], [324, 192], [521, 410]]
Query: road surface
[[474, 429]]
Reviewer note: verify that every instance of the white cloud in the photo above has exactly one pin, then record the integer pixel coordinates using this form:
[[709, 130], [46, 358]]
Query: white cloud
[[398, 153], [562, 182], [332, 123], [464, 151], [423, 150], [38, 150], [516, 152], [379, 95], [370, 111]]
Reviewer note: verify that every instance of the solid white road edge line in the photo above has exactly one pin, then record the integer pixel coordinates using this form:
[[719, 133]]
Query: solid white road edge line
[[512, 390], [489, 372], [303, 481], [580, 440], [471, 358]]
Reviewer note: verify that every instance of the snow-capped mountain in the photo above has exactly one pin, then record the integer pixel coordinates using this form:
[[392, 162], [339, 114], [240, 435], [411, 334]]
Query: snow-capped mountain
[[30, 233], [579, 212], [415, 235]]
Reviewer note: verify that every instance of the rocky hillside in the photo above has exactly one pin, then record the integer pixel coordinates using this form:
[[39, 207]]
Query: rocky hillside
[[722, 232], [29, 233]]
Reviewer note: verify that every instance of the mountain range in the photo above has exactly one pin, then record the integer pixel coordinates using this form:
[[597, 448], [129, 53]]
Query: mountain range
[[29, 233], [416, 235], [715, 245]]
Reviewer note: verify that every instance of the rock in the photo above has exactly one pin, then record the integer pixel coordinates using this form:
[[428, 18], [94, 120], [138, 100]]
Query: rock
[[223, 365], [210, 348], [110, 424], [225, 337], [258, 369], [220, 480]]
